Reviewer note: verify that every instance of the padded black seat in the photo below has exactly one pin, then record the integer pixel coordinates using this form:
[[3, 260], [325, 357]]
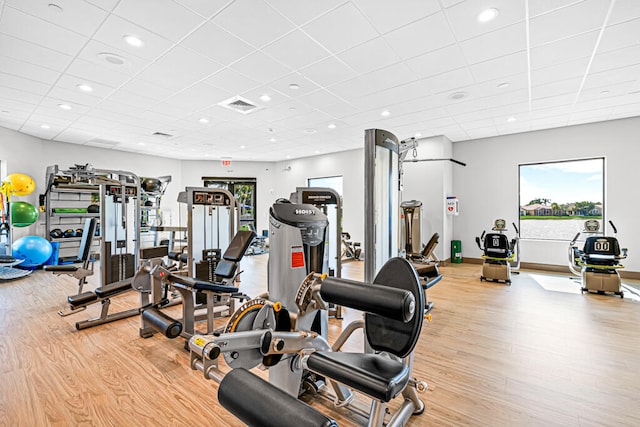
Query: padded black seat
[[601, 250], [82, 299], [496, 245], [61, 268], [113, 288], [378, 377]]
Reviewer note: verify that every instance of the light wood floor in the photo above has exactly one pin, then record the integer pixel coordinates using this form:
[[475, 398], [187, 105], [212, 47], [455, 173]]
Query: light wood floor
[[493, 355]]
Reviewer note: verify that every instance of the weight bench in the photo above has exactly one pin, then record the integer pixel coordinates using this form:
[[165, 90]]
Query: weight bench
[[84, 256], [426, 265], [270, 407], [154, 320]]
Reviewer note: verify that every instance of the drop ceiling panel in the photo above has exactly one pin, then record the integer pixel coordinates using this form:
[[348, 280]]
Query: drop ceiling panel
[[562, 23], [114, 29], [217, 44], [199, 96], [232, 81], [328, 72], [253, 21], [205, 8], [611, 77], [319, 99], [260, 67], [33, 53], [538, 7], [426, 35], [616, 59], [624, 10], [348, 28], [502, 67], [370, 56], [448, 82], [579, 46], [77, 16], [74, 96], [620, 35], [22, 84], [402, 93], [300, 12], [96, 73], [19, 95], [75, 136], [296, 50], [140, 87], [179, 68], [437, 62], [495, 44], [27, 70], [305, 85], [107, 5], [341, 109], [558, 72], [31, 29], [94, 52], [386, 16], [464, 17], [254, 95], [384, 78], [164, 17], [561, 87]]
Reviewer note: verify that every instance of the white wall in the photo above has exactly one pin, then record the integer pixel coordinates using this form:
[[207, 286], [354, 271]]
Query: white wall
[[30, 155], [488, 186]]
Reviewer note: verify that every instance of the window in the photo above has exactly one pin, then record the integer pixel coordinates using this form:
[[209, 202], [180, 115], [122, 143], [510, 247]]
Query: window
[[333, 182], [244, 191], [556, 198]]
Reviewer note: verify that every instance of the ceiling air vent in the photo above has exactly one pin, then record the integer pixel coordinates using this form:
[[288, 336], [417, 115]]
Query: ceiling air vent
[[239, 104], [102, 143], [163, 135]]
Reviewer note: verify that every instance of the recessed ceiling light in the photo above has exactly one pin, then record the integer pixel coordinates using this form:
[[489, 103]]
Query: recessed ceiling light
[[265, 98], [45, 126], [204, 120], [206, 155], [503, 85], [331, 126], [488, 15], [511, 119], [111, 58], [456, 96], [133, 41], [141, 143], [272, 140], [85, 87], [242, 147], [604, 92], [310, 130], [292, 108], [418, 135], [317, 151], [65, 106], [385, 113], [288, 156], [294, 86]]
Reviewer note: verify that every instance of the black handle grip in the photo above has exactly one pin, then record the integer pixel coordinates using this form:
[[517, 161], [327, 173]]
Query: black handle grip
[[615, 230]]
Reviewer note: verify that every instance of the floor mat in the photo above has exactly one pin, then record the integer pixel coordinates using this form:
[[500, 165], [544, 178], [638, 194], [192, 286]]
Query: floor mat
[[572, 285]]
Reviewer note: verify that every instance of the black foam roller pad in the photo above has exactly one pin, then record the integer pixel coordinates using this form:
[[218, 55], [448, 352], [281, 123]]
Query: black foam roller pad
[[160, 322], [258, 403]]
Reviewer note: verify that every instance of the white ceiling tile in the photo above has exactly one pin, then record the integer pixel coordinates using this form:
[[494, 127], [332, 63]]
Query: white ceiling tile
[[538, 7], [564, 50], [33, 53], [401, 93], [217, 43], [205, 8], [255, 93], [75, 136], [296, 50], [448, 81], [253, 21], [50, 106], [260, 67], [611, 77], [199, 96], [625, 10], [22, 84], [133, 99], [348, 28], [302, 11], [561, 87], [384, 78], [620, 35], [550, 112], [77, 16], [422, 36], [144, 88], [96, 73], [107, 5], [341, 109], [19, 95], [27, 70], [172, 20], [328, 72], [610, 96], [305, 85], [232, 80], [464, 17], [616, 59], [386, 16], [179, 68], [552, 102], [114, 29], [437, 62], [495, 44], [319, 99], [370, 56], [563, 22], [561, 71], [74, 96], [93, 51], [29, 28], [501, 67]]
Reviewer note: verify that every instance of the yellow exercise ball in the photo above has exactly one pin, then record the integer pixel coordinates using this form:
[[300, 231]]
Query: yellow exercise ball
[[20, 184]]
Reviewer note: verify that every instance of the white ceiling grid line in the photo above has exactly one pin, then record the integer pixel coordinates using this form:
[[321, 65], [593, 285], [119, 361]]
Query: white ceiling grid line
[[319, 72]]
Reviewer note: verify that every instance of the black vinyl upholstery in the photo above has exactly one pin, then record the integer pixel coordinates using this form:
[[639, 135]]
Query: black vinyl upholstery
[[376, 376], [496, 245], [113, 288], [273, 408], [239, 245], [601, 250]]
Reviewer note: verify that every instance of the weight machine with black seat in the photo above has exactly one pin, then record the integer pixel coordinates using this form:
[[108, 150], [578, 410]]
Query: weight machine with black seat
[[501, 256]]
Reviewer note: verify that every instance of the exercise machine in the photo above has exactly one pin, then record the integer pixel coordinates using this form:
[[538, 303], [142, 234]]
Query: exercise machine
[[392, 323], [600, 262], [351, 251], [591, 227], [501, 255]]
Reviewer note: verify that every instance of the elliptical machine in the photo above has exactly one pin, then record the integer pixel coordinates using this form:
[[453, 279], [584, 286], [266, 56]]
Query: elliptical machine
[[501, 256]]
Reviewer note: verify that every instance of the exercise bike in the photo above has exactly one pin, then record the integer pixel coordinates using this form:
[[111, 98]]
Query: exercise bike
[[501, 256]]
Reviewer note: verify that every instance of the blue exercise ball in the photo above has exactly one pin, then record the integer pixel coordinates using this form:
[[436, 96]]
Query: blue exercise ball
[[34, 250]]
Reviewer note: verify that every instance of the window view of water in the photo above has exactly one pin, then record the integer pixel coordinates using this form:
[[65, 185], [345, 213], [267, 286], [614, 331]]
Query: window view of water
[[552, 229]]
